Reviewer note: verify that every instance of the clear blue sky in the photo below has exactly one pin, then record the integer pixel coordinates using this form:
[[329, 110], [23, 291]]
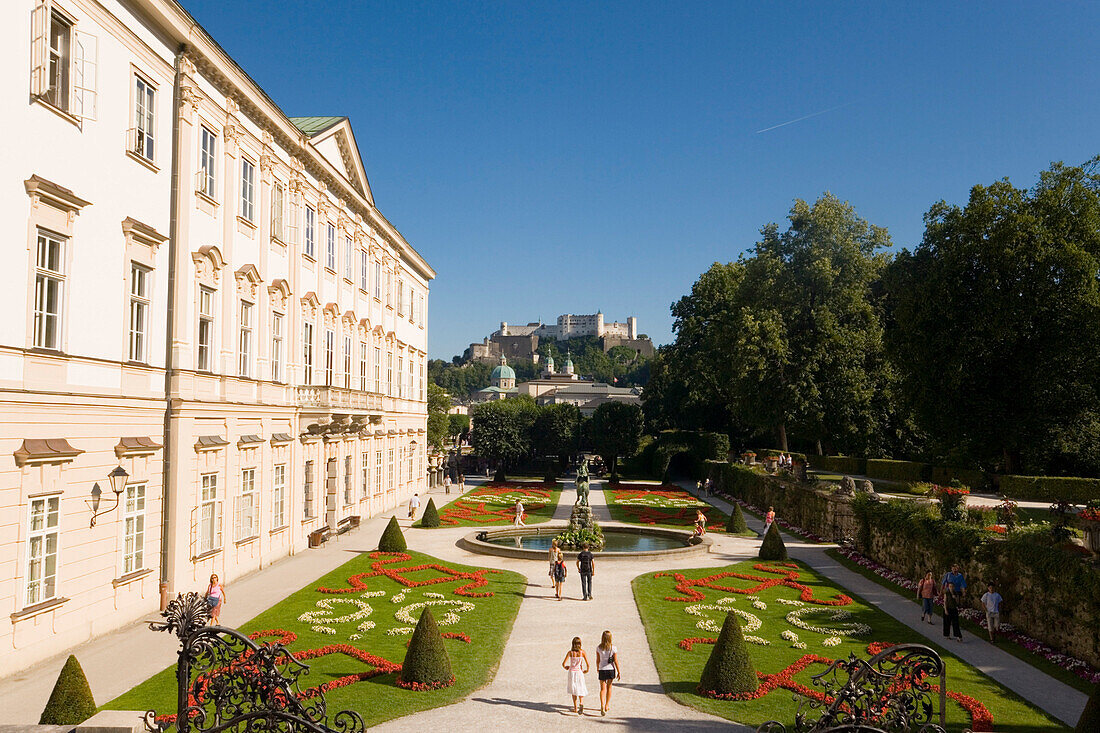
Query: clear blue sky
[[566, 157]]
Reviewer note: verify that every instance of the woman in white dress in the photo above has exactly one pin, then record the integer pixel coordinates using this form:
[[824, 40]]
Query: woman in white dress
[[576, 665]]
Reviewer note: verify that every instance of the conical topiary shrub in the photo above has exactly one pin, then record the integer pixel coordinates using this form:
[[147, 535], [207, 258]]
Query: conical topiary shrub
[[430, 518], [772, 548], [71, 701], [728, 672], [426, 665], [736, 524], [392, 540], [1090, 716]]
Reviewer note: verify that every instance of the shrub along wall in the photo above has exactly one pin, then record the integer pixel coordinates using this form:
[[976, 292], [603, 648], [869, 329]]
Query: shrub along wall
[[1050, 488], [898, 470], [1048, 594], [840, 464], [701, 446]]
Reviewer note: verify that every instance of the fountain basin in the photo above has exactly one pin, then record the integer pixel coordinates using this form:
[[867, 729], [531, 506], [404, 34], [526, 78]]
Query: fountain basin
[[623, 542]]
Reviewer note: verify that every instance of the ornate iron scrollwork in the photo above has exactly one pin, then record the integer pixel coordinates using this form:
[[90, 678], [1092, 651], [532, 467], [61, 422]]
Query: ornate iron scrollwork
[[902, 688], [227, 682]]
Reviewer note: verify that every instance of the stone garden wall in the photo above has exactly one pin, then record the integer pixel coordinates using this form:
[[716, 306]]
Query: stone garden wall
[[1049, 594]]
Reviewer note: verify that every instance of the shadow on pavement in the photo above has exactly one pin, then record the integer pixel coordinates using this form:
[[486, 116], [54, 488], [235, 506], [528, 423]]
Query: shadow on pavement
[[543, 707]]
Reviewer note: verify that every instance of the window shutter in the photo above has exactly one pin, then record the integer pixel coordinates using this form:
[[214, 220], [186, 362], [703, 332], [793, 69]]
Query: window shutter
[[40, 48], [84, 75]]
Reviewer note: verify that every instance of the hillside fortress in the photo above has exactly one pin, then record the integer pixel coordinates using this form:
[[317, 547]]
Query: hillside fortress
[[522, 342]]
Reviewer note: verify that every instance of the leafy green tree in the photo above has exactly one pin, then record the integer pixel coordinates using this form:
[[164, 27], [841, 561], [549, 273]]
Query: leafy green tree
[[502, 429], [439, 422], [616, 432], [554, 432], [458, 426], [990, 323]]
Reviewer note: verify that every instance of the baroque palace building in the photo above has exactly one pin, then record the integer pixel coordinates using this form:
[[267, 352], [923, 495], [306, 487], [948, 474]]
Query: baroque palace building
[[214, 344]]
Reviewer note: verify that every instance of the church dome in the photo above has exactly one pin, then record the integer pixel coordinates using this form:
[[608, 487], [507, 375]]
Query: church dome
[[503, 372]]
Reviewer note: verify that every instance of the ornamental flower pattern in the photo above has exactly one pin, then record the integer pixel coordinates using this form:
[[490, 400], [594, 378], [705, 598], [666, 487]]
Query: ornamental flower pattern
[[322, 619], [688, 586], [652, 504], [495, 504], [451, 617], [794, 618], [475, 579]]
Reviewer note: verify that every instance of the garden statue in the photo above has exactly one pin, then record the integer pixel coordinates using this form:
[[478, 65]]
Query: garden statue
[[581, 483], [847, 486]]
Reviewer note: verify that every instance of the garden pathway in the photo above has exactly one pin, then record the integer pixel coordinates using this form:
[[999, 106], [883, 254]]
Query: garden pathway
[[528, 691], [1055, 697]]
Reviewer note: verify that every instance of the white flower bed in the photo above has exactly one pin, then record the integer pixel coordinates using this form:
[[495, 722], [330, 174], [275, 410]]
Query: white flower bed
[[752, 623], [320, 619], [794, 618], [404, 615]]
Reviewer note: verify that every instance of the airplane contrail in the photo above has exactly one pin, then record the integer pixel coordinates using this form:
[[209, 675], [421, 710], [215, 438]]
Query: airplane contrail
[[814, 114]]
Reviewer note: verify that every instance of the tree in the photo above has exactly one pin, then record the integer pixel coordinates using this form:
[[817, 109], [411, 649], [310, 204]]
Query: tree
[[502, 429], [554, 432], [71, 701], [392, 540], [791, 336], [458, 426], [439, 423], [989, 322], [426, 665], [728, 670], [616, 431]]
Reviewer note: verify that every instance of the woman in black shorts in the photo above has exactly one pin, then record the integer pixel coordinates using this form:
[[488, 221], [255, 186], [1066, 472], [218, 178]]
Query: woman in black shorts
[[607, 667]]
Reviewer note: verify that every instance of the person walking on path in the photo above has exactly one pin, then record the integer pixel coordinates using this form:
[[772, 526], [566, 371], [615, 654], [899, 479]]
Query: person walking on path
[[956, 578], [951, 613], [553, 559], [991, 599], [576, 665], [926, 592], [706, 487], [414, 504], [446, 483], [608, 670], [768, 519], [518, 521], [559, 573], [215, 598], [586, 568]]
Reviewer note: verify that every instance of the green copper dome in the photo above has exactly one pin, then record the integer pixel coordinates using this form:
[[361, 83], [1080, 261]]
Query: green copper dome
[[503, 372]]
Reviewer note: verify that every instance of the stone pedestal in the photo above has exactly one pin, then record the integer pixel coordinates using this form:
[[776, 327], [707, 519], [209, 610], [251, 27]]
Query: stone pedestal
[[581, 518]]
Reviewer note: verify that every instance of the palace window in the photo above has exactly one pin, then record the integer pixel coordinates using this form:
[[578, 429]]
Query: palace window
[[42, 550], [311, 221], [246, 505], [61, 36], [206, 329], [307, 353], [363, 365], [347, 362], [389, 470], [139, 310], [307, 491], [144, 117], [330, 356], [389, 373], [420, 309], [246, 339], [400, 376], [210, 515], [400, 298], [133, 552], [248, 189], [349, 259], [278, 193], [49, 290], [378, 280], [207, 161], [364, 269], [365, 458], [349, 481], [278, 496], [276, 347], [377, 370], [378, 485], [330, 248]]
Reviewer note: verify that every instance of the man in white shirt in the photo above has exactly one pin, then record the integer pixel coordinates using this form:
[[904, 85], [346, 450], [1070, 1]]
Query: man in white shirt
[[414, 504], [991, 599]]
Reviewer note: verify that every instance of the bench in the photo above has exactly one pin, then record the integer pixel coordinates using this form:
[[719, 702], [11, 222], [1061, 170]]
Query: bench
[[347, 524], [318, 536]]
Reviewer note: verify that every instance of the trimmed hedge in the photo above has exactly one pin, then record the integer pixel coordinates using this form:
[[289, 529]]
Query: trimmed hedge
[[881, 468], [1050, 488], [701, 446], [775, 452], [736, 523], [430, 518], [729, 669], [426, 662], [71, 701], [392, 540], [841, 464], [772, 548]]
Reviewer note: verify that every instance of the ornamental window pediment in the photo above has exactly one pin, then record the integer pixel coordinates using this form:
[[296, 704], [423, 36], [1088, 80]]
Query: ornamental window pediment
[[142, 240], [209, 262], [332, 314], [64, 204], [248, 282], [279, 292], [309, 306]]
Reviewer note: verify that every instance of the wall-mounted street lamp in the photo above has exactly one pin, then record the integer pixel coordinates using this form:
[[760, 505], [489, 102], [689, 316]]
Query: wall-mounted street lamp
[[118, 485]]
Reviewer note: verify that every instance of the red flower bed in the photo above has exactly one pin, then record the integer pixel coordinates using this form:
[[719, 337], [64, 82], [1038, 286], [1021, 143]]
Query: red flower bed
[[980, 717], [657, 515], [477, 512], [423, 688], [448, 635], [476, 578], [1093, 515], [687, 585]]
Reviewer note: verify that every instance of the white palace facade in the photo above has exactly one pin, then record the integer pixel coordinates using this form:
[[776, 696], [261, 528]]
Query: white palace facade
[[199, 291]]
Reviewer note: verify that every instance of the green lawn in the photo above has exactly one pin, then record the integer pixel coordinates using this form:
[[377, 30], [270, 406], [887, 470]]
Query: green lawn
[[487, 623], [667, 623], [1015, 650], [494, 504], [661, 505]]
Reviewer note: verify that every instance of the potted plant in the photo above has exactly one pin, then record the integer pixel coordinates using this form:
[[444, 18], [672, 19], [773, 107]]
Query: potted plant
[[952, 499], [1089, 518]]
